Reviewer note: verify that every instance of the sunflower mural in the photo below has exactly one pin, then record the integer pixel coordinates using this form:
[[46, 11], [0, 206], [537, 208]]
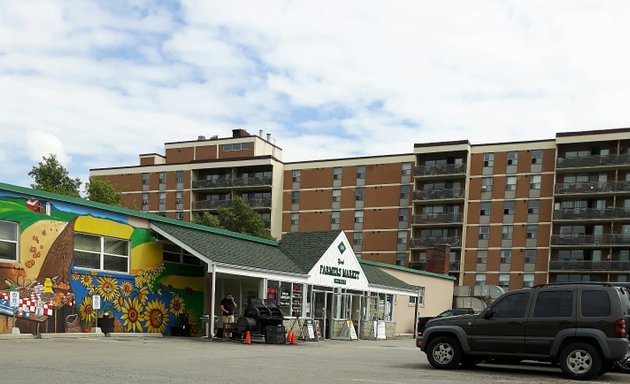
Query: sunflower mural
[[86, 311], [156, 317], [131, 315]]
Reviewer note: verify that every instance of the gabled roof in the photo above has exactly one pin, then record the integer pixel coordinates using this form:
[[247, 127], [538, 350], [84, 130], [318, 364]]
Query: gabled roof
[[306, 248], [231, 251], [376, 276], [405, 269]]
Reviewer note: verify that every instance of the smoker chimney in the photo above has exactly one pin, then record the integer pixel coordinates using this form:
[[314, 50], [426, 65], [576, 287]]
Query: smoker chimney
[[200, 138], [236, 133], [260, 133], [268, 136]]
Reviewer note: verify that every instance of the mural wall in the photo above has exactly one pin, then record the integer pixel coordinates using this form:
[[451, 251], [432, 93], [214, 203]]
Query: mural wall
[[152, 296]]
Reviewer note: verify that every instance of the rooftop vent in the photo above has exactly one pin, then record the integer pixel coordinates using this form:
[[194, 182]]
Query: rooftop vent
[[214, 137], [200, 138], [236, 133]]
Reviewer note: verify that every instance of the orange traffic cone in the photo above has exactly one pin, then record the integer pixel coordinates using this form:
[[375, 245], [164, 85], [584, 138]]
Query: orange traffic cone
[[292, 341], [289, 336], [248, 338]]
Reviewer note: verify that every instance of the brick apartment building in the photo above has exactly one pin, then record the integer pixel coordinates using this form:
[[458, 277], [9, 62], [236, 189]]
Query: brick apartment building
[[508, 214]]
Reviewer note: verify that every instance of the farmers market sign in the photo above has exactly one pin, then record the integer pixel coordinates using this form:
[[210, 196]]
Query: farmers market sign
[[339, 272]]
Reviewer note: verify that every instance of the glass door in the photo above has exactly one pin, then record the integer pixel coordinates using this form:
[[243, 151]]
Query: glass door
[[322, 304]]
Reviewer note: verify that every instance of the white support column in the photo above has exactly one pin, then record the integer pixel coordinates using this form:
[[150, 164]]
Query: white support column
[[212, 300]]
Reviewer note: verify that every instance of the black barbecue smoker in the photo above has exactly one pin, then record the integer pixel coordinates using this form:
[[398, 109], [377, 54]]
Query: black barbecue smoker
[[263, 318]]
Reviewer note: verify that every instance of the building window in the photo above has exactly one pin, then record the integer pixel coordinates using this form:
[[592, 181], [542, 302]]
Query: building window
[[506, 232], [403, 214], [482, 257], [488, 159], [295, 197], [532, 231], [145, 199], [336, 195], [101, 253], [402, 237], [296, 176], [530, 256], [178, 197], [484, 209], [162, 198], [510, 183], [406, 169], [508, 207], [486, 184], [359, 196], [480, 279], [173, 254], [358, 216], [484, 232], [179, 176], [506, 256], [162, 177], [419, 298], [337, 173], [236, 147], [512, 158], [400, 258], [357, 238], [361, 172], [335, 217], [145, 179], [179, 215], [504, 280], [405, 189], [528, 280], [534, 182], [537, 157], [9, 240], [533, 207], [295, 218]]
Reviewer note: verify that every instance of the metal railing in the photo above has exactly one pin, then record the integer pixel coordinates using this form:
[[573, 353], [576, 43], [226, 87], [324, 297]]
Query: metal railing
[[262, 202], [591, 213], [225, 182], [428, 218], [581, 239], [592, 187], [211, 204], [589, 265], [592, 161], [422, 242], [437, 194], [446, 169]]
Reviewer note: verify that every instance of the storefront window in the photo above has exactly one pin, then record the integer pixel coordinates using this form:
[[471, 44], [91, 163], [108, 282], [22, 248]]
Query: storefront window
[[287, 296]]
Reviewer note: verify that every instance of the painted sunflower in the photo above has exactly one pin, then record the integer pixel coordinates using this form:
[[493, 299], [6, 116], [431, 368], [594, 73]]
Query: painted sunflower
[[119, 302], [156, 317], [139, 280], [142, 294], [107, 288], [86, 281], [126, 288], [131, 315], [177, 305], [86, 311], [75, 276]]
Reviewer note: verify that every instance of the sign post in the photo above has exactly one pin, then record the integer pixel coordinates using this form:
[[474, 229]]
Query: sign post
[[96, 305]]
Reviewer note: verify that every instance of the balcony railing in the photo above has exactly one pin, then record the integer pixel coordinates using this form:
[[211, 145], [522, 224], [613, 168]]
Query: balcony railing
[[592, 187], [591, 213], [429, 218], [439, 194], [423, 242], [259, 202], [225, 182], [589, 265], [446, 169], [579, 239], [592, 161], [211, 204]]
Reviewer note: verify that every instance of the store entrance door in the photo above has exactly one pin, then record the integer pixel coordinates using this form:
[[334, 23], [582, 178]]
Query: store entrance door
[[322, 302]]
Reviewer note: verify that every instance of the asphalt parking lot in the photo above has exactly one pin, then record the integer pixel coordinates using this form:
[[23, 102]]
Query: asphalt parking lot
[[94, 359]]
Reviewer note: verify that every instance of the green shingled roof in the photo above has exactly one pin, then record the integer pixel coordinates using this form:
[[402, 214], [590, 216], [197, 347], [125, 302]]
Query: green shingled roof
[[405, 269], [306, 248], [232, 251], [376, 276]]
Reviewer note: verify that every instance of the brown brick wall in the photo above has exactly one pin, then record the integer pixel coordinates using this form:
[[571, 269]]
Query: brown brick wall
[[349, 176], [314, 199], [378, 241], [380, 218], [316, 178], [206, 152], [314, 221], [147, 160], [179, 155], [382, 196], [387, 258], [383, 173], [125, 182]]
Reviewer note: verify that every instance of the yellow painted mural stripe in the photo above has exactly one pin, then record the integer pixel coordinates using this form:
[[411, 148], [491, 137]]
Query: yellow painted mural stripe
[[145, 256], [102, 227]]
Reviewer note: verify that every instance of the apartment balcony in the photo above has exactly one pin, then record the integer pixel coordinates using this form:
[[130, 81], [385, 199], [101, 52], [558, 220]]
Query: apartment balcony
[[229, 182], [439, 194], [437, 218], [430, 241], [208, 205], [421, 266], [592, 187], [593, 161], [437, 170], [588, 265], [609, 213], [590, 240], [259, 203]]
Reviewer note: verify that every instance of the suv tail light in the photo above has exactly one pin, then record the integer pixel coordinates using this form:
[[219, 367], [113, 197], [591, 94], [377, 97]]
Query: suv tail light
[[620, 328]]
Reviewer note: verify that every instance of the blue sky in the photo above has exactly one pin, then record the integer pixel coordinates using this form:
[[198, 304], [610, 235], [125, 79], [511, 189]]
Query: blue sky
[[99, 82]]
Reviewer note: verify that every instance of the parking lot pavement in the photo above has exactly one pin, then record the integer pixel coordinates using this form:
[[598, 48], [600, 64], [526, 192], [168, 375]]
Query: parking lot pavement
[[182, 360]]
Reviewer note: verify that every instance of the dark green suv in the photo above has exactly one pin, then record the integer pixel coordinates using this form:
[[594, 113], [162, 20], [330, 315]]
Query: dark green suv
[[581, 327]]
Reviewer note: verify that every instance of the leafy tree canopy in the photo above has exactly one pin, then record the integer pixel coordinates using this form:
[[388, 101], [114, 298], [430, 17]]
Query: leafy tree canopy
[[49, 175], [238, 217], [103, 191]]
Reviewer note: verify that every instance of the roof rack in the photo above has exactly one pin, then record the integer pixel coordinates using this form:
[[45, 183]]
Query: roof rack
[[604, 283]]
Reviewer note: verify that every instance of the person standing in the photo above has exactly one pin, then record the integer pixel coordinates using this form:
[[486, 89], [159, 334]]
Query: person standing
[[228, 305]]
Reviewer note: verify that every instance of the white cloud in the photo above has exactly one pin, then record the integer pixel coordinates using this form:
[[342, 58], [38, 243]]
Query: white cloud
[[41, 143]]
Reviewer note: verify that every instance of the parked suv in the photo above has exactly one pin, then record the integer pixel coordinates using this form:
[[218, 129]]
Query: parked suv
[[581, 327], [422, 321]]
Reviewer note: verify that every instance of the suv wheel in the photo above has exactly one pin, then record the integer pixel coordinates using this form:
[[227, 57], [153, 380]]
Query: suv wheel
[[444, 352], [580, 361]]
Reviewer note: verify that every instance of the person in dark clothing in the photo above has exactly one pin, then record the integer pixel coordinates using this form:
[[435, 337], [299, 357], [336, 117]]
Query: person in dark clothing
[[228, 305]]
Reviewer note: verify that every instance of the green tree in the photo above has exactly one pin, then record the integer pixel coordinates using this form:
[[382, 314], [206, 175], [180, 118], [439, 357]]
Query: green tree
[[238, 217], [103, 191], [51, 176]]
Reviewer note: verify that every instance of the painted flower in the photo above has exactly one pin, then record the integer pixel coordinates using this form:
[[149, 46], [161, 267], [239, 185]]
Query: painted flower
[[139, 280], [119, 302], [126, 288], [142, 294], [107, 288], [131, 315], [156, 317], [86, 311], [75, 276], [177, 305], [86, 281], [93, 273]]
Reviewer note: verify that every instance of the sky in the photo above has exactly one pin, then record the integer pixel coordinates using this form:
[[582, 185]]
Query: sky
[[99, 82]]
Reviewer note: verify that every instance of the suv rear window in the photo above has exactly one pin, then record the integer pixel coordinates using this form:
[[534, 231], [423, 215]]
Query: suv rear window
[[554, 304], [595, 304]]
